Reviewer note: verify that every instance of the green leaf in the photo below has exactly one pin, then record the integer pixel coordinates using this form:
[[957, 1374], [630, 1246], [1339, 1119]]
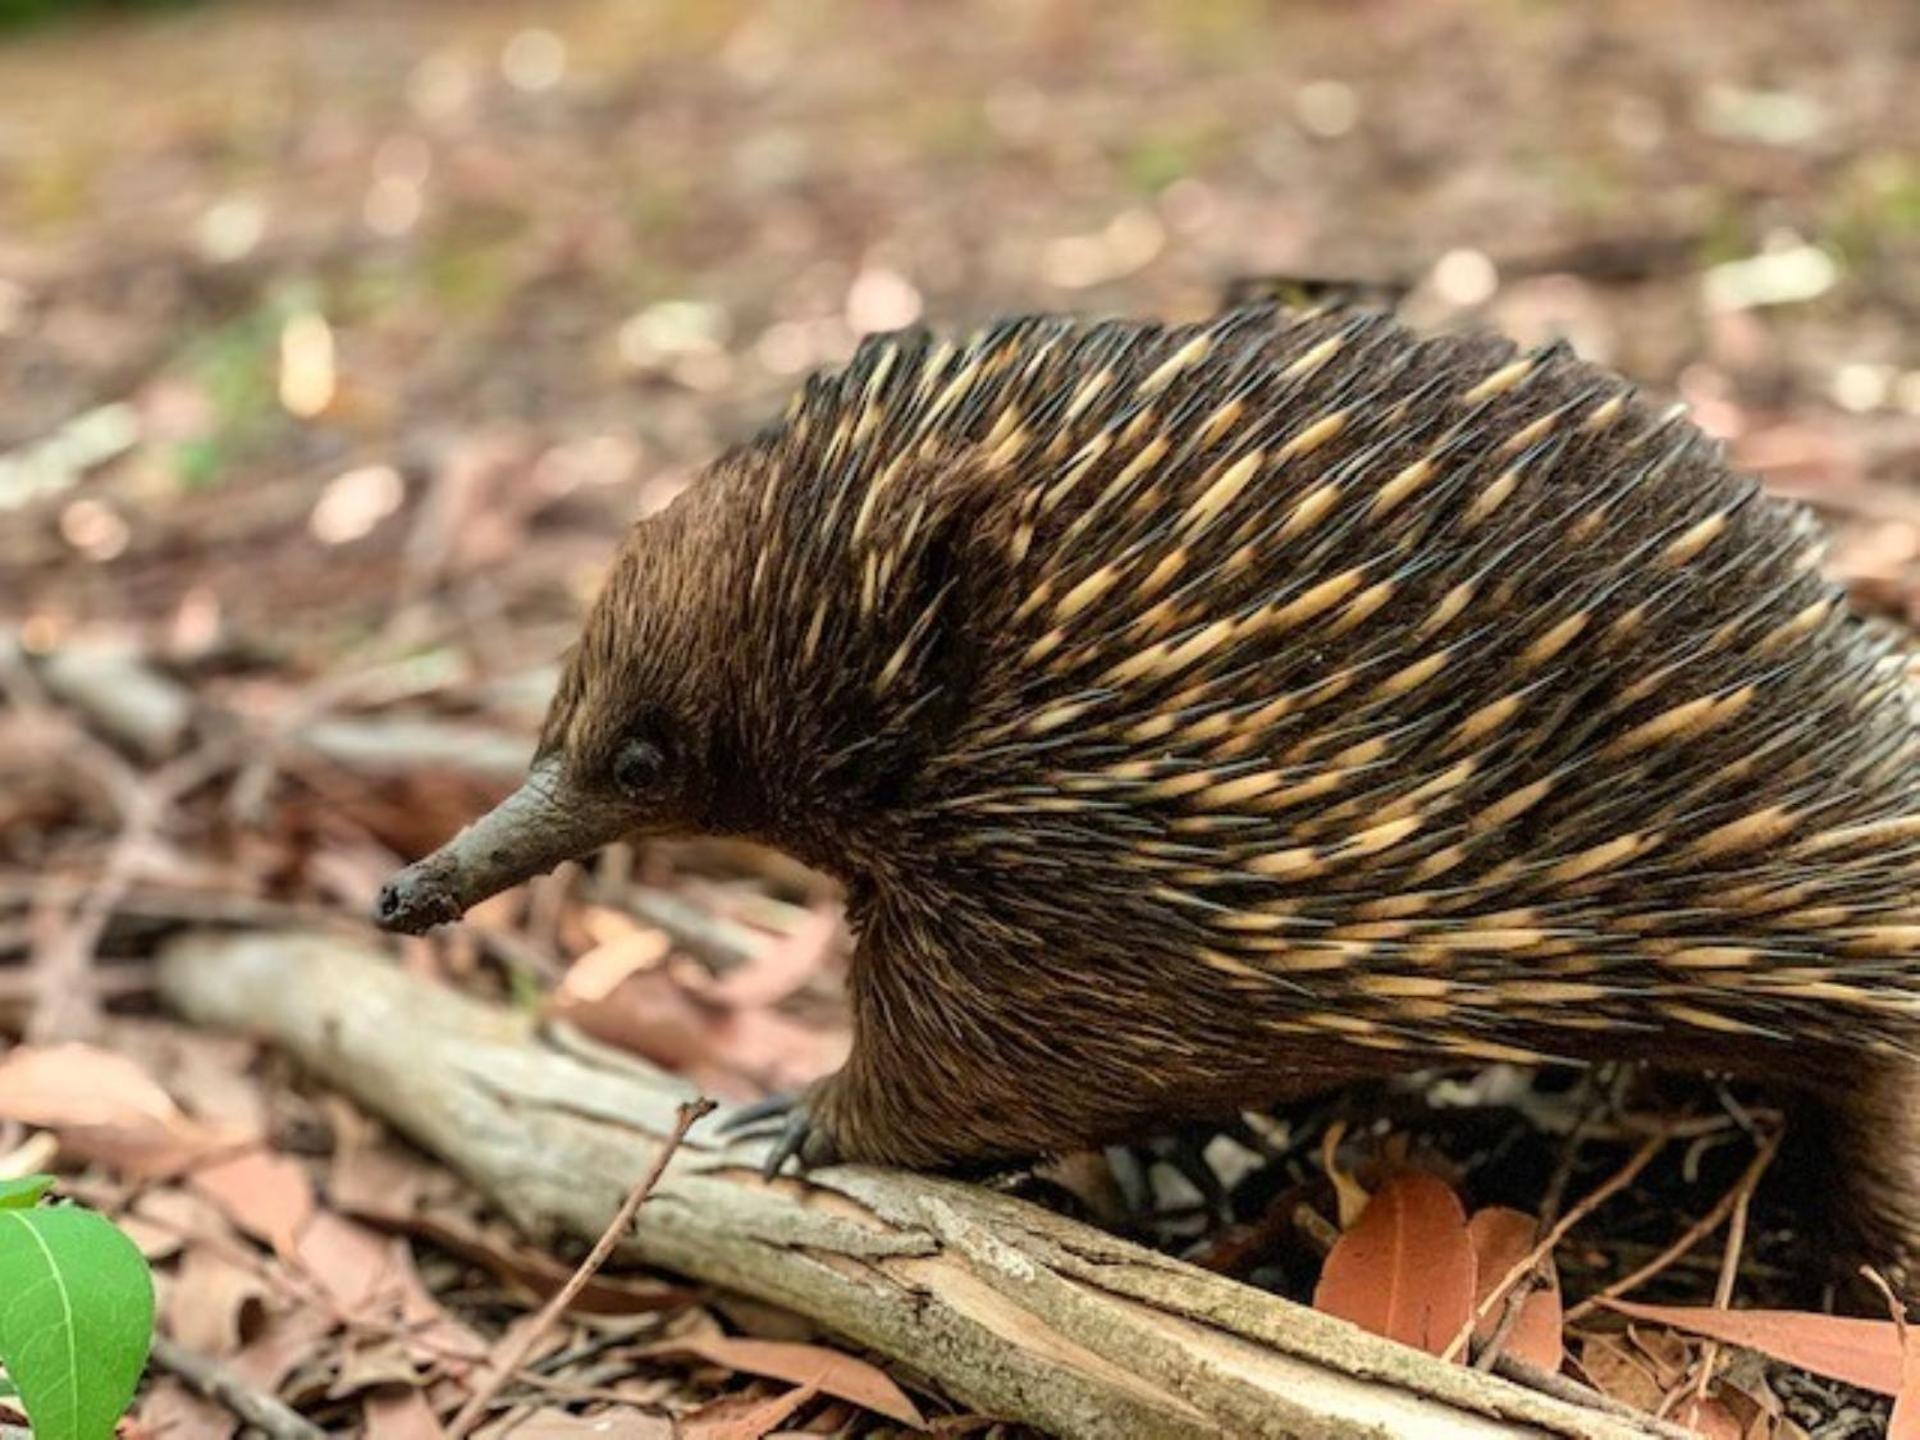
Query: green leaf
[[24, 1193], [76, 1316]]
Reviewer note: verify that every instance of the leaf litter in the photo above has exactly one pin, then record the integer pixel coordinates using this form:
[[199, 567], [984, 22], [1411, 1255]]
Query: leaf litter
[[318, 465]]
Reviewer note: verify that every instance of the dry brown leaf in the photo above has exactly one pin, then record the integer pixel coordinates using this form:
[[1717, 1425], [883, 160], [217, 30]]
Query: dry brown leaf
[[104, 1108], [1669, 1354], [1612, 1369], [155, 1242], [837, 1374], [400, 1414], [371, 1177], [433, 1336], [1501, 1239], [168, 1410], [731, 1418], [597, 974], [1861, 1352], [778, 1052], [1709, 1418], [1406, 1268], [1349, 1194], [370, 1368], [781, 967], [267, 1195], [213, 1306], [283, 1344], [349, 1261], [603, 1425], [532, 1271], [652, 1014], [645, 1011]]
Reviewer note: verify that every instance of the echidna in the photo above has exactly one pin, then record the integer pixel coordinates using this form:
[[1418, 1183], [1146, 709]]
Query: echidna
[[1201, 715]]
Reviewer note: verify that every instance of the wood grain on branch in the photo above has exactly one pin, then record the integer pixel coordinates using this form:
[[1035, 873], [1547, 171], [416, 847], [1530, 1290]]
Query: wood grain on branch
[[1003, 1306]]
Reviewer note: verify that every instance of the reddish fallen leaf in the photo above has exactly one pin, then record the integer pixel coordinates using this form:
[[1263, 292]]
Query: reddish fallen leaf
[[1406, 1268], [104, 1107], [213, 1306], [1904, 1423], [811, 1365], [731, 1419], [400, 1414], [267, 1195], [1861, 1352], [1501, 1239]]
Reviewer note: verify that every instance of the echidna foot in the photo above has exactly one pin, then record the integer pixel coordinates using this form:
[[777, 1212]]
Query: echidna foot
[[797, 1133]]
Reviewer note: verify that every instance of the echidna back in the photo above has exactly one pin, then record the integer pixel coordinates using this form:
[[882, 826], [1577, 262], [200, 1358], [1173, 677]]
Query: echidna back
[[1457, 699]]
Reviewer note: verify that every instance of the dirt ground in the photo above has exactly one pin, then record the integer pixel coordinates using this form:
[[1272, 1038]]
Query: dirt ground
[[338, 341]]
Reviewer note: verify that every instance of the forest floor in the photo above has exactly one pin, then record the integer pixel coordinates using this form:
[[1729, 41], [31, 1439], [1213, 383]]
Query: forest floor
[[338, 342]]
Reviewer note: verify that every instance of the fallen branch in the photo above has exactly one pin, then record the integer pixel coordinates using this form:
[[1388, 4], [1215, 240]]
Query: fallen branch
[[1006, 1307]]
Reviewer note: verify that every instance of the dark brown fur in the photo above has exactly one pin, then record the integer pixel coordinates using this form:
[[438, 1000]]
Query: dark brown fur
[[1555, 746]]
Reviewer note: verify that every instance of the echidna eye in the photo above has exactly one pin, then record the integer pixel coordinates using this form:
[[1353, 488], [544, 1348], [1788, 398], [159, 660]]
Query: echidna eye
[[639, 767]]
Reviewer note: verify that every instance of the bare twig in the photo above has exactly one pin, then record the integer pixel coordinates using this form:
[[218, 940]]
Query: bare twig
[[1489, 1353], [1564, 1387], [1729, 1271], [67, 1005], [1615, 1183], [1896, 1310], [503, 1366], [223, 1387], [1695, 1233]]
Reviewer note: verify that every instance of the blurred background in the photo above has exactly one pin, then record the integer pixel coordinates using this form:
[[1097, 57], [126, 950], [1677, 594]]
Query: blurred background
[[339, 340]]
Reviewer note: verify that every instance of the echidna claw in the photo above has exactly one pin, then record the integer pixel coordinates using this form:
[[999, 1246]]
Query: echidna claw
[[752, 1118], [788, 1121], [791, 1144]]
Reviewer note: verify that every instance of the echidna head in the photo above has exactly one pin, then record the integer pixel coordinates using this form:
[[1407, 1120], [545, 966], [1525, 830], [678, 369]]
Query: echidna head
[[635, 741], [727, 680]]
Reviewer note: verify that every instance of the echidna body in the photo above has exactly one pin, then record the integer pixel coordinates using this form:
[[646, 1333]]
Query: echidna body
[[1201, 715]]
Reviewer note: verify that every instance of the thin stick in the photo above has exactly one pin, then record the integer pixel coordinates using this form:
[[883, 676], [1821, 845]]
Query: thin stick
[[1509, 1320], [66, 1006], [1547, 1243], [1729, 1271], [503, 1365], [1695, 1233], [1563, 1387], [223, 1387]]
